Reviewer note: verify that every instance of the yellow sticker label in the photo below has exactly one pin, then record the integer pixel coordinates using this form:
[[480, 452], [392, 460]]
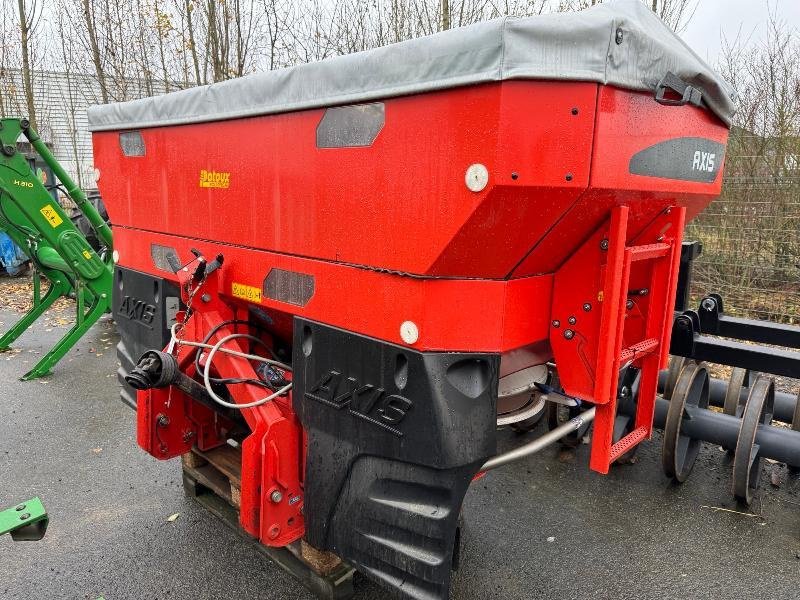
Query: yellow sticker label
[[51, 215], [246, 292], [214, 179], [87, 255]]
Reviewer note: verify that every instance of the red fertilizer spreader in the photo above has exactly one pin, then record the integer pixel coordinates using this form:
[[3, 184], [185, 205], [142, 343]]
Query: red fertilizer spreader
[[334, 282]]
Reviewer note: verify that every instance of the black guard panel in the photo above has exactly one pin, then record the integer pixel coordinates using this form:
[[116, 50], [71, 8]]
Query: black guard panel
[[394, 439], [144, 309]]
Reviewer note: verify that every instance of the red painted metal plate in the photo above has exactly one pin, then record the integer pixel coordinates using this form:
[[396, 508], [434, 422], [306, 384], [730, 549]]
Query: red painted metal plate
[[400, 204]]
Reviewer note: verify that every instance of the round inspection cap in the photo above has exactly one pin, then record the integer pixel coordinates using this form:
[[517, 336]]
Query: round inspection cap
[[476, 177], [409, 332]]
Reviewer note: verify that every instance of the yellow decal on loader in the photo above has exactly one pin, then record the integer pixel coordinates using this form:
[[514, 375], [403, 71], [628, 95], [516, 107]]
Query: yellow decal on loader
[[246, 292], [51, 215]]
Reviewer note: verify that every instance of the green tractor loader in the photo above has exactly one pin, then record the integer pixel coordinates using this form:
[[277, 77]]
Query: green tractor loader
[[58, 250]]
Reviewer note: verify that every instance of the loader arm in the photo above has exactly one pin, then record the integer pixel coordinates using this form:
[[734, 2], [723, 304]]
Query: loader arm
[[57, 249]]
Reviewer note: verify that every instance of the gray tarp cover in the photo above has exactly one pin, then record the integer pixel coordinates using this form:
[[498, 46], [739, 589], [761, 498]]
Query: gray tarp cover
[[570, 46]]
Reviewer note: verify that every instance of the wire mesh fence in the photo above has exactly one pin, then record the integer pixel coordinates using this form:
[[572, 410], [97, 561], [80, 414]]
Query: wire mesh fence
[[751, 248]]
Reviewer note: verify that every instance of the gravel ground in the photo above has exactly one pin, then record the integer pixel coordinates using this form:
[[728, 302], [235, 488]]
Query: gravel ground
[[545, 528]]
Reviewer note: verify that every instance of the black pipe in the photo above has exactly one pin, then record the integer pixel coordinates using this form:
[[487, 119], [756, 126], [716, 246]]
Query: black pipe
[[784, 402], [720, 429]]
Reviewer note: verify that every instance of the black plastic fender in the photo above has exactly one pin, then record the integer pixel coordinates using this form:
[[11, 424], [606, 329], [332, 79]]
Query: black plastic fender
[[144, 308], [394, 438]]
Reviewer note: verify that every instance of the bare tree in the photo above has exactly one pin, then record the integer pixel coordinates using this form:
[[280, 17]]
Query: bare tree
[[278, 19], [71, 95], [675, 13], [28, 19], [163, 28], [750, 234], [5, 60], [191, 39], [88, 17]]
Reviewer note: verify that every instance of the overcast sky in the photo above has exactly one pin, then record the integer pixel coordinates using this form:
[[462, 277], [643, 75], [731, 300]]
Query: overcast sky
[[715, 18]]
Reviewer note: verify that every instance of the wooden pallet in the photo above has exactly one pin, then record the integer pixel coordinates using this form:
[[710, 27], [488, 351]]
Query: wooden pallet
[[213, 478]]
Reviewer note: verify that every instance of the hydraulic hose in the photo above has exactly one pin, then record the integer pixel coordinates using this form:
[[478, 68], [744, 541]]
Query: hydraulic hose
[[541, 442], [74, 192]]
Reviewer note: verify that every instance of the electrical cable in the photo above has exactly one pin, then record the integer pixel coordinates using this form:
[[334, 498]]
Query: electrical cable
[[218, 347], [207, 339], [206, 369]]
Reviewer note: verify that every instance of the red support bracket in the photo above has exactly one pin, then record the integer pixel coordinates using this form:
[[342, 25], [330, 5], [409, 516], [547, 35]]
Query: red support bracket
[[612, 307], [171, 423]]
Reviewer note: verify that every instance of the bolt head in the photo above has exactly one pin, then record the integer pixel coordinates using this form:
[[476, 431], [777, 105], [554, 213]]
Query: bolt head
[[556, 323], [20, 507], [629, 304], [587, 307], [619, 36], [708, 304], [276, 496], [604, 244], [569, 334], [24, 516], [572, 320], [205, 298]]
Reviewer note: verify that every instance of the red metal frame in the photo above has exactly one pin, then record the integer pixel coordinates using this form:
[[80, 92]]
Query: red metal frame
[[272, 455], [399, 204], [613, 302], [452, 314]]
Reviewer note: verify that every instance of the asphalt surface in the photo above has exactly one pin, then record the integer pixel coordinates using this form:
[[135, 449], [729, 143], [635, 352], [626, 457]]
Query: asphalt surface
[[545, 528]]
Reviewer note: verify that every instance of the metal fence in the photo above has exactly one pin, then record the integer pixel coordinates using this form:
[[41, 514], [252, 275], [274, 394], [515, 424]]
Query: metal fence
[[751, 248]]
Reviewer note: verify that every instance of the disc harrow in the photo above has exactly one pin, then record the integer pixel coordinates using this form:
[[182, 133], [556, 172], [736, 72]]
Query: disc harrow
[[749, 400]]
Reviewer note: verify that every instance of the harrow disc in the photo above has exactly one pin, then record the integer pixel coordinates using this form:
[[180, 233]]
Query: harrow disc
[[679, 452], [676, 364], [796, 426], [747, 459], [740, 379]]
